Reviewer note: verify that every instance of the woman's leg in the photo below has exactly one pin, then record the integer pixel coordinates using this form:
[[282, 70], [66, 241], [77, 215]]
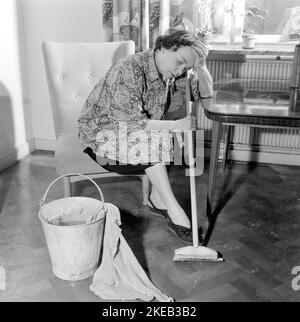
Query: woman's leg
[[156, 200], [158, 176], [154, 196]]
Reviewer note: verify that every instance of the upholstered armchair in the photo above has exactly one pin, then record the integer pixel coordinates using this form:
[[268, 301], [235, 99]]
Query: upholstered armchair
[[72, 70]]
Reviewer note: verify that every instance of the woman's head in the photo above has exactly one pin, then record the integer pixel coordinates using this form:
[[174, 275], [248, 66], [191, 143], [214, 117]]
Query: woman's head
[[178, 52]]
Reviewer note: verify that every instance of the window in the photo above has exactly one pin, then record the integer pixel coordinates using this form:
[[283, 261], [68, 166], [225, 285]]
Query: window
[[223, 21], [278, 14], [271, 28], [230, 19]]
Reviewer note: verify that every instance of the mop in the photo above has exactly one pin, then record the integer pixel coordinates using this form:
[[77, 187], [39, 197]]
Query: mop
[[195, 252]]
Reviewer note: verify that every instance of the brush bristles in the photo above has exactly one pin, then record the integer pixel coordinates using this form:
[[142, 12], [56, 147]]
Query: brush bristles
[[196, 259]]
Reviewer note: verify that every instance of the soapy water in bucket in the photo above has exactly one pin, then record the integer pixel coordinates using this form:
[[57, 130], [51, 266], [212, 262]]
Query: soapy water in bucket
[[73, 211], [73, 217], [65, 221]]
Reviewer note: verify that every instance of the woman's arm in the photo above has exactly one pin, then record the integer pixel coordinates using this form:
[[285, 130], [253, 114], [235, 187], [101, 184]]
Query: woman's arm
[[205, 82]]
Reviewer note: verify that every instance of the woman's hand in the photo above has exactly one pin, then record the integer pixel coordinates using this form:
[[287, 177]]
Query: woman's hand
[[186, 123]]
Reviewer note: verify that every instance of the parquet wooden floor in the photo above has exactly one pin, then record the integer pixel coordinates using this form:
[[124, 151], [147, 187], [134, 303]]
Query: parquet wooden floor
[[257, 231]]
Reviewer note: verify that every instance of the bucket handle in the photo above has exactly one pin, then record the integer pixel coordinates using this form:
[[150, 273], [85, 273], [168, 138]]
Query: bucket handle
[[43, 200]]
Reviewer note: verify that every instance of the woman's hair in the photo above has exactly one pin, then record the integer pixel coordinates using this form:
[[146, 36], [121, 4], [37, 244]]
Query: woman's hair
[[181, 38], [176, 39]]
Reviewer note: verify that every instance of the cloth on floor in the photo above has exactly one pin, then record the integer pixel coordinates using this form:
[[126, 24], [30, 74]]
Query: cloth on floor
[[120, 276]]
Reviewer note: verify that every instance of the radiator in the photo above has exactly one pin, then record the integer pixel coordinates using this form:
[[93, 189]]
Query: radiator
[[259, 72]]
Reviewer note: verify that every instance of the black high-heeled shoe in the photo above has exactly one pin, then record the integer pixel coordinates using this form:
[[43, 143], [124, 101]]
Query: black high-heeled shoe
[[183, 233]]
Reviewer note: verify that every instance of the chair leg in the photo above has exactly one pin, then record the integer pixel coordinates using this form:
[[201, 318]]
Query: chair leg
[[146, 187], [67, 187], [214, 156], [227, 130]]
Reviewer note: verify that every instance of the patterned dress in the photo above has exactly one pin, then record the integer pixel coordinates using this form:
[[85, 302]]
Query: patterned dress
[[114, 117]]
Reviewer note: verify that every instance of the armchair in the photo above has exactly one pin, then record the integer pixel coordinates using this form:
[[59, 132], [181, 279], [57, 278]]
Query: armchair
[[72, 70]]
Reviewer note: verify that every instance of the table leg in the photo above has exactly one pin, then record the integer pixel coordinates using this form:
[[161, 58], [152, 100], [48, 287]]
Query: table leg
[[227, 130], [213, 167]]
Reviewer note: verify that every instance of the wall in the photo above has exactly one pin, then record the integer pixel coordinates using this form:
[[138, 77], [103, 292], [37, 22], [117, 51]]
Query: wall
[[14, 132], [57, 20], [7, 135]]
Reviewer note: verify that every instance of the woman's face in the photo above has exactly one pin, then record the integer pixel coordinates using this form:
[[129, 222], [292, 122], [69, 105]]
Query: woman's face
[[174, 63]]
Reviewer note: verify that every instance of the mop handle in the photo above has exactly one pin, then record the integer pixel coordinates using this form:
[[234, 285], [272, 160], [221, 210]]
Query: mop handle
[[191, 166]]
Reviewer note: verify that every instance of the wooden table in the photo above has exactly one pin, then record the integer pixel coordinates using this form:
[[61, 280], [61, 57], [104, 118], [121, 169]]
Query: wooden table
[[259, 112]]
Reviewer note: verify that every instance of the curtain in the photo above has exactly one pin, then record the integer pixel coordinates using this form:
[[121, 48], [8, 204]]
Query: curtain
[[143, 20]]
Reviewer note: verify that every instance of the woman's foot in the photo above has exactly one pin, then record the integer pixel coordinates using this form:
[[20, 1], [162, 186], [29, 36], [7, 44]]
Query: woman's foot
[[157, 211], [177, 214], [180, 226], [183, 233], [177, 220], [179, 217], [155, 200]]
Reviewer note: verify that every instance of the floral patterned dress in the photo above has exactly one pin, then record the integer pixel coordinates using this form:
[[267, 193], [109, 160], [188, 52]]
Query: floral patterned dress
[[114, 117]]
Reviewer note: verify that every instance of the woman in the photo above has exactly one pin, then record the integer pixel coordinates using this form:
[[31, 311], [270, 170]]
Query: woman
[[128, 106]]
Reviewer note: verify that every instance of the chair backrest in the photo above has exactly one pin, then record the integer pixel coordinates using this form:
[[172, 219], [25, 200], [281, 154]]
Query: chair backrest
[[72, 70]]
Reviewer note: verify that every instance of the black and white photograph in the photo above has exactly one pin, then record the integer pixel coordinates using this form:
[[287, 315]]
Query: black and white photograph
[[149, 154]]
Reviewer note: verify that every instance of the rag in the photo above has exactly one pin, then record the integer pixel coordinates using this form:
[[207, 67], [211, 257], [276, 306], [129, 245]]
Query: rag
[[120, 276]]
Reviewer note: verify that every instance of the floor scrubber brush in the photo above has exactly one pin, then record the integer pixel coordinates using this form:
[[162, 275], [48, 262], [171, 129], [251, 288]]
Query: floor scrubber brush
[[195, 252]]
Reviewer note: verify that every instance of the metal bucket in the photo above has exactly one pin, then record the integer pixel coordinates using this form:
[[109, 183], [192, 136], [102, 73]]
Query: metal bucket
[[73, 229]]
